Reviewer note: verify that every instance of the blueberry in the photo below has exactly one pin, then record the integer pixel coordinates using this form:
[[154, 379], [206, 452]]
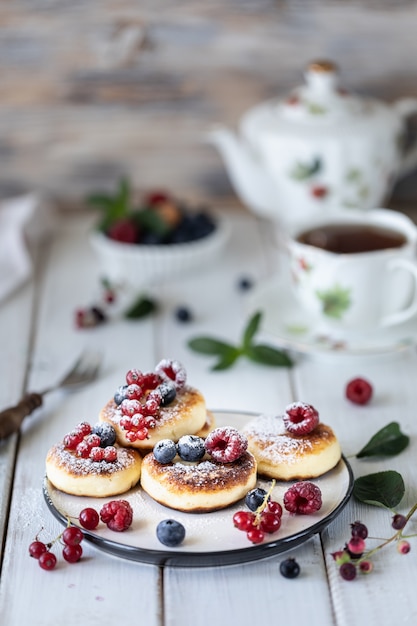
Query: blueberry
[[106, 433], [165, 451], [98, 314], [245, 283], [289, 568], [255, 498], [183, 314], [120, 394], [168, 392], [170, 532], [191, 448]]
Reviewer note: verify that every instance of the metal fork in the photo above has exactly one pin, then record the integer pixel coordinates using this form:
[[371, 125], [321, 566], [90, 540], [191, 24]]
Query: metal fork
[[84, 371]]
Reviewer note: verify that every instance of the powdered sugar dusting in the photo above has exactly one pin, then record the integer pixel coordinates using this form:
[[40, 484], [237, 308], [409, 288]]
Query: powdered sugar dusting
[[85, 467], [276, 445]]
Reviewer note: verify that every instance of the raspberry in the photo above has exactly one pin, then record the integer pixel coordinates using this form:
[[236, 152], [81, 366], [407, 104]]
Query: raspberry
[[123, 230], [359, 391], [300, 418], [172, 370], [303, 498], [117, 514], [226, 444]]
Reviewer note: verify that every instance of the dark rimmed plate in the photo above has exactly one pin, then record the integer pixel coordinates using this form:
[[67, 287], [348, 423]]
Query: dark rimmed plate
[[211, 539]]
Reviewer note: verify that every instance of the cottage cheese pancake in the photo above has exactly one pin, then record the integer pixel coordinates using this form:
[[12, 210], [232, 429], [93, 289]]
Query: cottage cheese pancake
[[80, 476], [283, 455], [186, 414], [198, 487]]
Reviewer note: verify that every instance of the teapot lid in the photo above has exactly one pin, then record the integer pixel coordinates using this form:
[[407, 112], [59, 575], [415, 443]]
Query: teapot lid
[[321, 98]]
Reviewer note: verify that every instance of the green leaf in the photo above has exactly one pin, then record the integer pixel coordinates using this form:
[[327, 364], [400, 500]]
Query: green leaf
[[207, 345], [388, 441], [268, 355], [151, 221], [381, 489], [142, 307], [227, 360], [251, 329]]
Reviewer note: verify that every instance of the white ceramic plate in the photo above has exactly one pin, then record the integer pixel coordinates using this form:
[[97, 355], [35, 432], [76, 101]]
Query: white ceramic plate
[[294, 329], [211, 539]]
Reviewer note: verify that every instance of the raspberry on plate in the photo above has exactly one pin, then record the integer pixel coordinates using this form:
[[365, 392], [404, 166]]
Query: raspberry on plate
[[117, 514], [303, 498], [300, 418], [226, 444]]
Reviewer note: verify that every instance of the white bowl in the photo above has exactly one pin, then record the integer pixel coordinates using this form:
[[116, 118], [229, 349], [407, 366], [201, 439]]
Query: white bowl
[[139, 265]]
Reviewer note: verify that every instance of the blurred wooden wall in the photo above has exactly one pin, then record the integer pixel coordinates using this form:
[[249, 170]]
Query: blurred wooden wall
[[93, 89]]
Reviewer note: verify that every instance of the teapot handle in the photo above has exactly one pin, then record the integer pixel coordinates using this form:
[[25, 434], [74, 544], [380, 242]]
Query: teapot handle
[[406, 107]]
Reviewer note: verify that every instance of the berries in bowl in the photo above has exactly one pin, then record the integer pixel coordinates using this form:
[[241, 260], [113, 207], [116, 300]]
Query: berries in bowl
[[155, 238]]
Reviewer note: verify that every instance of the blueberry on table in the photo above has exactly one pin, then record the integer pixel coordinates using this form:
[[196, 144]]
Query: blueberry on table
[[289, 568], [183, 314], [170, 532]]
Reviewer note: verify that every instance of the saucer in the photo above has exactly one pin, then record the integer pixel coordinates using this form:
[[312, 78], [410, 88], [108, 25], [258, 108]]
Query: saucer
[[295, 329]]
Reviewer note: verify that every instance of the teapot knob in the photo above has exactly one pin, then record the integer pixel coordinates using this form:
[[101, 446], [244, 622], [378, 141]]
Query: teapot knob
[[322, 76]]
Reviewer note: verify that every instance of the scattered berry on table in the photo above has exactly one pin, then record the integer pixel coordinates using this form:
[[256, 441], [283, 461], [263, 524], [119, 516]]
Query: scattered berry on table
[[359, 530], [289, 568], [366, 567], [303, 498], [89, 518], [37, 548], [183, 314], [359, 391], [403, 547], [165, 451], [245, 283], [72, 536], [300, 418], [356, 546], [226, 444], [170, 532], [72, 554], [347, 571], [191, 448], [117, 515], [255, 498], [47, 560], [399, 521]]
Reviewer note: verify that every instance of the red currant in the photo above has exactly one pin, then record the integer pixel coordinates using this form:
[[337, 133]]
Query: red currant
[[243, 520], [133, 392], [84, 428], [37, 548], [72, 439], [72, 536], [110, 454], [134, 376], [96, 453], [89, 518], [274, 507], [270, 522], [47, 560], [72, 554], [255, 535]]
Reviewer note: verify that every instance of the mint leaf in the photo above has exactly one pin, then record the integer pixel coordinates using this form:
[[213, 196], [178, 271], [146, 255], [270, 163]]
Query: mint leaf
[[206, 345], [381, 489], [151, 221], [226, 361], [251, 329], [268, 356], [142, 307], [388, 441]]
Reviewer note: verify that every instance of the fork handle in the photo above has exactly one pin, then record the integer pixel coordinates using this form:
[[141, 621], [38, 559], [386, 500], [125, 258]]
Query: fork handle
[[12, 418]]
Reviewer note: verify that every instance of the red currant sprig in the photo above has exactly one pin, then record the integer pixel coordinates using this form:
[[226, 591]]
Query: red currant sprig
[[72, 551], [266, 519]]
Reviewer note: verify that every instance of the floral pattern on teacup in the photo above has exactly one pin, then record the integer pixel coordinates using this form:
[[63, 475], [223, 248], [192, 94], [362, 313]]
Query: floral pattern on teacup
[[335, 301]]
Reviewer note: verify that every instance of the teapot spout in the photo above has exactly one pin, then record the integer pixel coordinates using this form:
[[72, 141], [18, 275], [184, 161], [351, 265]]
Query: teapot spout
[[247, 174]]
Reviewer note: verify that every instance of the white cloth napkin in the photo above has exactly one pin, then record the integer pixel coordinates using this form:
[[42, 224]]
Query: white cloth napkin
[[15, 259]]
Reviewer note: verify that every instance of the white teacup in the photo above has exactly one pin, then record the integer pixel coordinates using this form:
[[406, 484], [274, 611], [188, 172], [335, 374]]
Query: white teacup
[[373, 288]]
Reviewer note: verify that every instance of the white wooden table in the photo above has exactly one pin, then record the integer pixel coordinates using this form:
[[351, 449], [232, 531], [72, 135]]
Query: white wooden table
[[39, 340]]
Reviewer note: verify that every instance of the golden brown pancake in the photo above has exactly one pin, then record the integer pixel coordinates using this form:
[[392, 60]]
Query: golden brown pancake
[[187, 414], [85, 477], [284, 456], [198, 487]]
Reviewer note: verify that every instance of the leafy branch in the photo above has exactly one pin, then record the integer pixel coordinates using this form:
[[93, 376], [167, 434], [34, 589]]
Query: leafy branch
[[227, 354]]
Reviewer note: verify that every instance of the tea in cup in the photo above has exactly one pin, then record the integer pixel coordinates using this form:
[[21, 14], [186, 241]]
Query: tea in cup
[[356, 271]]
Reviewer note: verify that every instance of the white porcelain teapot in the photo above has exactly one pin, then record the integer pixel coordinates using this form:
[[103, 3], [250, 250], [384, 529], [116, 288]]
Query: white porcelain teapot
[[318, 150]]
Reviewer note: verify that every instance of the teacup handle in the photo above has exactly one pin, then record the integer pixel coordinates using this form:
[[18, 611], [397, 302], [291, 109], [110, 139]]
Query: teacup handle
[[411, 310]]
